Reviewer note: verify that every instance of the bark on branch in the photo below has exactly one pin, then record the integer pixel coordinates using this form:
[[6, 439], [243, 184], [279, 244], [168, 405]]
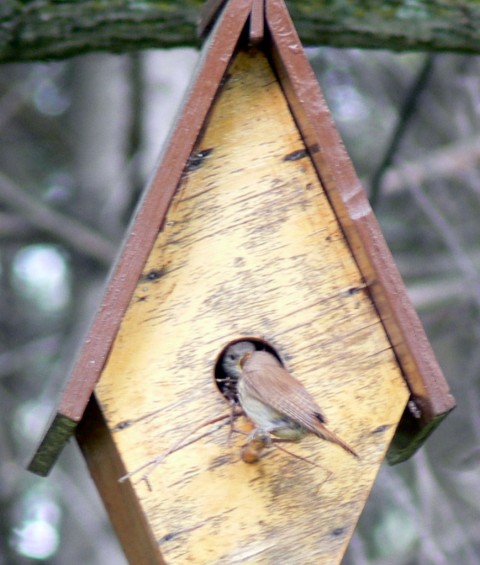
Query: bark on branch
[[53, 29]]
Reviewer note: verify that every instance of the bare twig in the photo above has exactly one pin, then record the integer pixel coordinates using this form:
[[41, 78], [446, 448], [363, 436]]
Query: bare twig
[[75, 234], [180, 444], [430, 294], [12, 225], [405, 116], [15, 360], [300, 457], [432, 499], [444, 162], [450, 239], [187, 440]]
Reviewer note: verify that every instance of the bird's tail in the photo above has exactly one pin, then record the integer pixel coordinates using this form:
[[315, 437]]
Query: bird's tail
[[323, 432]]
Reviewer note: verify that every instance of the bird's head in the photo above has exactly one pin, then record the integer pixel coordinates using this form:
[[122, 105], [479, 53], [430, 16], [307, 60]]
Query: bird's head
[[236, 356]]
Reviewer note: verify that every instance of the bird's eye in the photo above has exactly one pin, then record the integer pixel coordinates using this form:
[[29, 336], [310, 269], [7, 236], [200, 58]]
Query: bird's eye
[[231, 357]]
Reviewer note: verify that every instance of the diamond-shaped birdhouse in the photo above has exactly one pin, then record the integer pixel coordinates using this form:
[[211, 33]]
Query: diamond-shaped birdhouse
[[254, 228]]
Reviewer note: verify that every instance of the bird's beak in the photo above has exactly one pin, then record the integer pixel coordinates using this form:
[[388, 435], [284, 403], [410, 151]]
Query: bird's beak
[[244, 359]]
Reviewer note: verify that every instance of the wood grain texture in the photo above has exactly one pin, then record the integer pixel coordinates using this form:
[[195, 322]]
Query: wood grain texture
[[250, 247], [148, 221], [142, 233], [333, 166], [129, 522], [429, 389]]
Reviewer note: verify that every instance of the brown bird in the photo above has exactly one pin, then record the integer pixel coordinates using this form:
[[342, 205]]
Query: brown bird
[[275, 401]]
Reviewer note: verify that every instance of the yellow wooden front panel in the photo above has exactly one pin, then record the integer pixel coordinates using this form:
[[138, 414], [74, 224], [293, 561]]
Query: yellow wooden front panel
[[251, 247]]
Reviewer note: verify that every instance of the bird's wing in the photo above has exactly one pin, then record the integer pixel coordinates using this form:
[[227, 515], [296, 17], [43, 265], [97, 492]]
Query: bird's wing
[[275, 386]]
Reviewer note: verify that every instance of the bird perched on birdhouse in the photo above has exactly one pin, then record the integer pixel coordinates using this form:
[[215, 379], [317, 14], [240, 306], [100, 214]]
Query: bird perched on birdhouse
[[272, 398], [255, 231]]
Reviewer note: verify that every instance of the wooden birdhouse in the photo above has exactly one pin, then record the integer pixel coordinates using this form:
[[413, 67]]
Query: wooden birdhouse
[[254, 227]]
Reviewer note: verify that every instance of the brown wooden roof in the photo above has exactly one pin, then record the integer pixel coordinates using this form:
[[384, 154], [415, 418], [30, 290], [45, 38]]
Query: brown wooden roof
[[427, 385]]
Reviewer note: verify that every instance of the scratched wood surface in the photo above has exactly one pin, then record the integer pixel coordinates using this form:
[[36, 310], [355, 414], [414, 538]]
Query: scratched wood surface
[[250, 247]]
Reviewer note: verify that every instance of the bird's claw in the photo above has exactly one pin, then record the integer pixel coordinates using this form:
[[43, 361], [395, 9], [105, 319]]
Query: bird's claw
[[260, 436]]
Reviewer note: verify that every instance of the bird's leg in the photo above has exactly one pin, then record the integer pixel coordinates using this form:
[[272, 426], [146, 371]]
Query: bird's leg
[[260, 434], [285, 430], [257, 441], [183, 442], [260, 439]]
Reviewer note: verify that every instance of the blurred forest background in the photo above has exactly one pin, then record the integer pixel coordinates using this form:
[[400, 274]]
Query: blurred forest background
[[79, 139]]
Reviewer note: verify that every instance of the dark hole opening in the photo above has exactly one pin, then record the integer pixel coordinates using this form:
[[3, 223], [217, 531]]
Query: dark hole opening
[[228, 387]]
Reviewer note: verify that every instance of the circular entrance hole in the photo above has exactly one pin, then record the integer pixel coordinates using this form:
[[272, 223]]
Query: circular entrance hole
[[224, 383]]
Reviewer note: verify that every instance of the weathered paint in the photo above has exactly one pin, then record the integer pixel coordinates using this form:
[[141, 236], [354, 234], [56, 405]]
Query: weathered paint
[[251, 246]]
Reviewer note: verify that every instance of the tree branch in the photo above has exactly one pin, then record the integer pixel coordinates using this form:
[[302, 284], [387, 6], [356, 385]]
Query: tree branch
[[18, 359], [445, 162], [53, 29], [68, 229]]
